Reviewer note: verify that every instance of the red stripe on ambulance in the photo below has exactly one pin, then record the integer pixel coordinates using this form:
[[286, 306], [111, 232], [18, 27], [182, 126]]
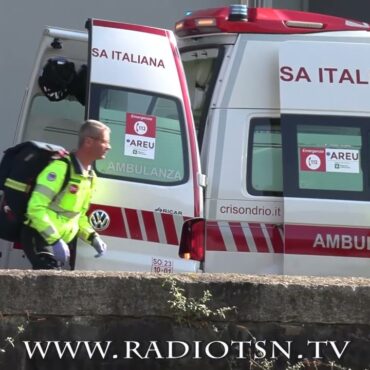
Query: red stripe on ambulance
[[277, 237], [141, 225], [166, 228], [259, 238], [169, 228], [327, 241], [214, 237], [116, 226], [239, 237], [133, 224], [150, 226], [244, 237]]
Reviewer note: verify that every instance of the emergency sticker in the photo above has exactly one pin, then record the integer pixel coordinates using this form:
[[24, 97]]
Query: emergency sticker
[[140, 136], [312, 159], [330, 160], [343, 160], [51, 176]]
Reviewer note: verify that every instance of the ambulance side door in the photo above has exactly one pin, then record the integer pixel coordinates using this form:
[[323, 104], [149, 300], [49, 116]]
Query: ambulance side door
[[148, 182], [325, 94]]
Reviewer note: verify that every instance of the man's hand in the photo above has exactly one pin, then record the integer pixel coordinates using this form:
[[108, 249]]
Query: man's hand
[[99, 245], [61, 251]]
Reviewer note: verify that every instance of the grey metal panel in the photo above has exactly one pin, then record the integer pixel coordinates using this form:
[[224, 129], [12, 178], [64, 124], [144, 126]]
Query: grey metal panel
[[355, 9]]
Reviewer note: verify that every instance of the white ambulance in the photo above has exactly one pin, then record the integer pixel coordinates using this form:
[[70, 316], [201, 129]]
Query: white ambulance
[[280, 99], [281, 103]]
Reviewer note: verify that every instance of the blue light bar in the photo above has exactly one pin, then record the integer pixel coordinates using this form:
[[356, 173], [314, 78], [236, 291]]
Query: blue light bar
[[238, 12]]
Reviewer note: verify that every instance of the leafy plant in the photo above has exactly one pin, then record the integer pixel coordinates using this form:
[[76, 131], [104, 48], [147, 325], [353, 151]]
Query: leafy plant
[[10, 341], [190, 310]]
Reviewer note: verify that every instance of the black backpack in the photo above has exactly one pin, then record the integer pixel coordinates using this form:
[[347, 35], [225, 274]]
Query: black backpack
[[19, 169]]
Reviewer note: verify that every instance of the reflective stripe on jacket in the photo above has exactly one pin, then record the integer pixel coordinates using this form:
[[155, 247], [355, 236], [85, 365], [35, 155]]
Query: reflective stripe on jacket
[[58, 213]]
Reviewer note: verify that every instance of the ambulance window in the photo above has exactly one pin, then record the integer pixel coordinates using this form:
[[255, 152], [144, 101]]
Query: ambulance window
[[265, 175], [325, 156], [201, 69], [147, 136], [329, 158], [54, 122]]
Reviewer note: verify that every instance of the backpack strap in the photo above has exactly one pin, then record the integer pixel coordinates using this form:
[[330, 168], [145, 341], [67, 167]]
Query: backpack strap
[[67, 177]]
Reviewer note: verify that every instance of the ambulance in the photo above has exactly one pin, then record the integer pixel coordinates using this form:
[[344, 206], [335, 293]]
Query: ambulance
[[241, 144], [281, 104]]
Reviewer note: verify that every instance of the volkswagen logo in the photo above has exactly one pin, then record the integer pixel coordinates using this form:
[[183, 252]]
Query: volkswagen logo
[[99, 219]]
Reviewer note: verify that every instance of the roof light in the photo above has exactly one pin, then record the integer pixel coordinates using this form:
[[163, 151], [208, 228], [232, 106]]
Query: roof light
[[238, 12], [351, 23], [300, 24], [205, 22], [187, 13], [179, 26]]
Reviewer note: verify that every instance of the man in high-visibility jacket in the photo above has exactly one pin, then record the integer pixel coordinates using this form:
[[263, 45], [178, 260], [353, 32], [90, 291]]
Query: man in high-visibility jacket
[[56, 211]]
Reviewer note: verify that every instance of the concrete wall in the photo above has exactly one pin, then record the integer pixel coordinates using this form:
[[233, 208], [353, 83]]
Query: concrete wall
[[126, 307]]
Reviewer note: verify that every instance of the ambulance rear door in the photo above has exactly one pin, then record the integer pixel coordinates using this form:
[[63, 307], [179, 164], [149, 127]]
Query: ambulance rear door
[[148, 182], [325, 95]]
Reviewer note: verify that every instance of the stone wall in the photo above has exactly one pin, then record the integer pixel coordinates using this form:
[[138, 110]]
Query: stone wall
[[130, 315]]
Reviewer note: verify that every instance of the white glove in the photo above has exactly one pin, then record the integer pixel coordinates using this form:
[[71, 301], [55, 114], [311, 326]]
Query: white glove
[[61, 251], [99, 245]]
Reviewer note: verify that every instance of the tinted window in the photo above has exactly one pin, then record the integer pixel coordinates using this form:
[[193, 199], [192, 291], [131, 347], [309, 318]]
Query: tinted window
[[54, 122], [326, 156], [329, 158], [201, 68], [147, 137], [265, 173]]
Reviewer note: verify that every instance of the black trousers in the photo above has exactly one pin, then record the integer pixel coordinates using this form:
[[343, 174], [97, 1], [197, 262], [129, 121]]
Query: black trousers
[[40, 254]]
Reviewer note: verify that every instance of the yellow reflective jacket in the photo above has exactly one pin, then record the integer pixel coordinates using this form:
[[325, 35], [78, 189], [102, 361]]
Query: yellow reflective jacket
[[58, 213]]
